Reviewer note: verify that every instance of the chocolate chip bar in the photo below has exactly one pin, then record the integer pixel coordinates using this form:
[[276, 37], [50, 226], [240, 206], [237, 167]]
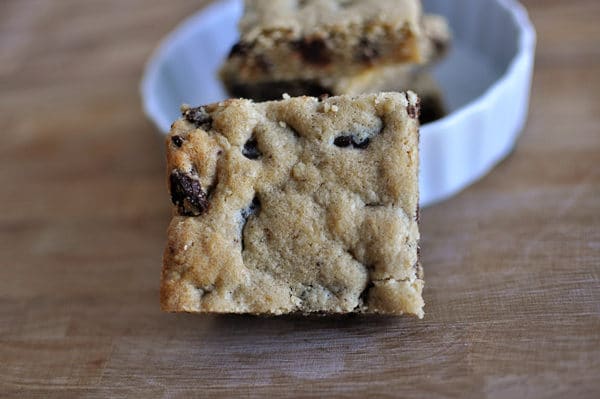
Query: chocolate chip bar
[[295, 206], [287, 40], [392, 78], [434, 45]]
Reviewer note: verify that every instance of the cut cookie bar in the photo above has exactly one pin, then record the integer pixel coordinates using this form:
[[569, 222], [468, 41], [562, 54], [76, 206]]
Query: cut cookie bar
[[295, 206], [434, 45], [287, 40], [374, 80]]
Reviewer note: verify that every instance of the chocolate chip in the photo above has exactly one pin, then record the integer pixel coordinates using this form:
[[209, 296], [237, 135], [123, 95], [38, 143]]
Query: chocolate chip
[[177, 141], [187, 194], [343, 141], [361, 145], [199, 117], [263, 63], [251, 150], [367, 52], [364, 295], [414, 111], [313, 51], [252, 209], [239, 49], [347, 141], [295, 133], [440, 45]]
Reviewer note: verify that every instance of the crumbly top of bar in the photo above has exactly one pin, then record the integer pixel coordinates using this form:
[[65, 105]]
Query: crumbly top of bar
[[298, 205], [308, 17]]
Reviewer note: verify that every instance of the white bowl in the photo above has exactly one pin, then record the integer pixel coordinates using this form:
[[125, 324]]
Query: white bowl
[[486, 81]]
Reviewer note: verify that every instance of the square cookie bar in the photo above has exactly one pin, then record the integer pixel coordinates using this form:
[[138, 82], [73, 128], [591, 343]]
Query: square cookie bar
[[295, 206], [284, 40], [374, 80], [434, 45]]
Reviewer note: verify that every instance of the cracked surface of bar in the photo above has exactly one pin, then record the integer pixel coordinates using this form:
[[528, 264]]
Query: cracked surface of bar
[[295, 206]]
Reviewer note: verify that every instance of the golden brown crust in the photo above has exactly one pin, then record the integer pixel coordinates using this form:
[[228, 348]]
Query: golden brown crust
[[298, 205]]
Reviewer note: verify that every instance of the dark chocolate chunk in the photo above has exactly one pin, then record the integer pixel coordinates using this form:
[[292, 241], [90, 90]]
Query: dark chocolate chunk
[[414, 110], [239, 49], [187, 194], [440, 45], [367, 52], [343, 141], [295, 133], [199, 117], [361, 145], [251, 150], [263, 63], [347, 141], [364, 295], [314, 51], [252, 210], [177, 141]]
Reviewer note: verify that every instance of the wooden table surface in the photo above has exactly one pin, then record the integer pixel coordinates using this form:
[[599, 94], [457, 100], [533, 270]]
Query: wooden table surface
[[512, 264]]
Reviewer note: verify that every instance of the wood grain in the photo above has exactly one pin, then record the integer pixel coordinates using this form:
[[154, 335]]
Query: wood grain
[[512, 264]]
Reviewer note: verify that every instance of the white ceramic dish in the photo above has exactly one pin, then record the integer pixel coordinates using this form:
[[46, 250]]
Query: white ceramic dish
[[486, 81]]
